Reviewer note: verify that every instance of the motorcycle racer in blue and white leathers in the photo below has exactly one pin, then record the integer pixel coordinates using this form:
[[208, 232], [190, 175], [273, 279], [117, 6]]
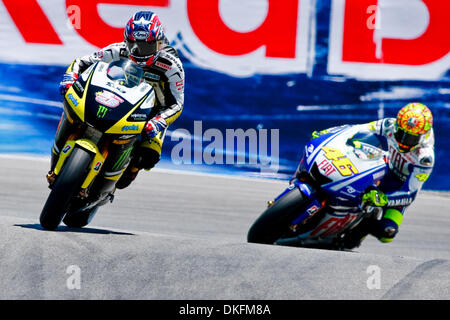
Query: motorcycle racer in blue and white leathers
[[145, 44], [410, 142]]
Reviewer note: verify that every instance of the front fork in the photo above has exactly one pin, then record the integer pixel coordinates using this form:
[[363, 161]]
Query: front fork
[[96, 163]]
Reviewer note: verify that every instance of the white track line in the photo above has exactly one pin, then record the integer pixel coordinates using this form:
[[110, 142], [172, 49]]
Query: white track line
[[424, 193], [41, 158]]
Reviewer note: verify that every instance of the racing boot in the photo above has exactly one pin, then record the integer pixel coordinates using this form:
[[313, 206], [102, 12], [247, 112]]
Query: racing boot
[[127, 177], [354, 237], [144, 157]]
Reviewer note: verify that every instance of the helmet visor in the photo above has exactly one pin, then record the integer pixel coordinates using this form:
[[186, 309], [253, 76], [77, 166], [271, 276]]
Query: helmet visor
[[406, 140], [142, 48]]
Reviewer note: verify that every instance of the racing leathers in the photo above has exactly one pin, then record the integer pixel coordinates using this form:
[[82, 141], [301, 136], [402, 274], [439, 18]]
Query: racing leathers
[[407, 174], [166, 75]]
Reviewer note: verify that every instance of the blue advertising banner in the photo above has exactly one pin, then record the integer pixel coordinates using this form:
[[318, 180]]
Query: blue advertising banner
[[324, 69]]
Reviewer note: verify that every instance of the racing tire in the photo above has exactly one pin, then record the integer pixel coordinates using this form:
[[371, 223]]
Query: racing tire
[[66, 186], [79, 219], [274, 221]]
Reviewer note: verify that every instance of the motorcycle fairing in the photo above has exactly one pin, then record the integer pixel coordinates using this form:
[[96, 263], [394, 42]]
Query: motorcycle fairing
[[343, 193], [133, 104]]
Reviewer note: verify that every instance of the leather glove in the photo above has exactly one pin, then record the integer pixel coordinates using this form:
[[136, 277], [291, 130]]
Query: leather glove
[[154, 126], [316, 134], [375, 198], [68, 79]]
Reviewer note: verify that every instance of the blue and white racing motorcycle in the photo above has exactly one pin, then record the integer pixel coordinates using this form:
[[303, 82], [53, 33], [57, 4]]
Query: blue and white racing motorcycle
[[325, 200]]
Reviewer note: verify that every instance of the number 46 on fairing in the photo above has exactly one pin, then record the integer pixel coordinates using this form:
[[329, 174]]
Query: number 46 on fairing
[[340, 161]]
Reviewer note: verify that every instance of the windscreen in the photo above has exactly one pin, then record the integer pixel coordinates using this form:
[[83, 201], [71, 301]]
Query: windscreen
[[125, 72], [366, 146]]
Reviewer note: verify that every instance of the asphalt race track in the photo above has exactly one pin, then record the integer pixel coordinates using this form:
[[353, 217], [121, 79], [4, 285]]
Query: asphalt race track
[[175, 235]]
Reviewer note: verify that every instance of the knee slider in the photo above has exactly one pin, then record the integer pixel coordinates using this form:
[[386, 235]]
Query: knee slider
[[387, 230]]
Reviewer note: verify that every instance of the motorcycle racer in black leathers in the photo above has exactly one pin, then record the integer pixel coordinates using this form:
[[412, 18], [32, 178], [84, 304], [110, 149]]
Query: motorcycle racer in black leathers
[[146, 45]]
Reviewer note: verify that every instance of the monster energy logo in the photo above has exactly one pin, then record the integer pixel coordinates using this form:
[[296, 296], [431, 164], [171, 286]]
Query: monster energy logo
[[123, 157], [101, 112]]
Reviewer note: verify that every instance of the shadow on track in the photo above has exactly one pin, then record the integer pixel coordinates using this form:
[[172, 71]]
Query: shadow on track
[[37, 226]]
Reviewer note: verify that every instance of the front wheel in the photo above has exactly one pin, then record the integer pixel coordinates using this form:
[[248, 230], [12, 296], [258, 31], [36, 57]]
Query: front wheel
[[66, 186], [274, 221]]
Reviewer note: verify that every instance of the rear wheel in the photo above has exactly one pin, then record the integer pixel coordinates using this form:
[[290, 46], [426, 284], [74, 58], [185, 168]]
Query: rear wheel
[[79, 219], [66, 186], [274, 222]]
